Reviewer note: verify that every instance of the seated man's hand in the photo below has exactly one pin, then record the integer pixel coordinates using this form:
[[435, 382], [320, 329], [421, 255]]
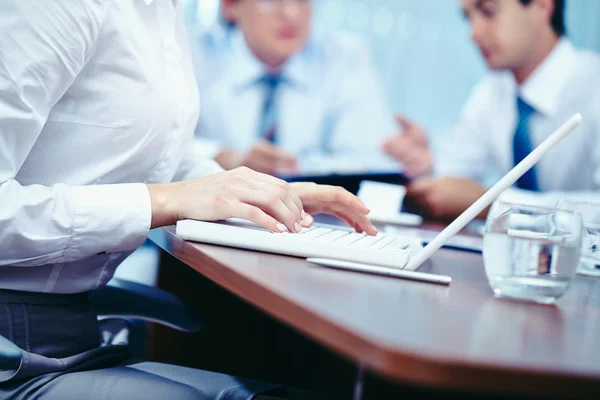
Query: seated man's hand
[[411, 149], [443, 198], [262, 157]]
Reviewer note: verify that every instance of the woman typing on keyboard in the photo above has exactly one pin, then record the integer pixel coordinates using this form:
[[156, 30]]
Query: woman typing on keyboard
[[262, 199], [98, 106]]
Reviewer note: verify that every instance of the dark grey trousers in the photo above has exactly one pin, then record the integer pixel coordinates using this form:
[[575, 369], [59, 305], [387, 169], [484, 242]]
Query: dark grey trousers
[[63, 359]]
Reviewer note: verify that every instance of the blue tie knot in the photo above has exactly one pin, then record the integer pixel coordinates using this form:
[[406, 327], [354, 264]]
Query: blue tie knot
[[272, 80], [524, 109]]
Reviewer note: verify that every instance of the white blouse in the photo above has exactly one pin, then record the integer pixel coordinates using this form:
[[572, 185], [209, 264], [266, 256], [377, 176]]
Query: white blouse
[[97, 97]]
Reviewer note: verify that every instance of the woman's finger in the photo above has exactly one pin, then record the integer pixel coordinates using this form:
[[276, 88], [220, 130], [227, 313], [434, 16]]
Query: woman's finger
[[256, 215], [268, 200], [307, 221], [334, 195], [364, 224], [358, 221], [271, 180]]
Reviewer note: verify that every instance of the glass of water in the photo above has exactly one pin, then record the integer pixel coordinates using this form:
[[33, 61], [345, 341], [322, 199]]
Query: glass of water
[[590, 255], [531, 253]]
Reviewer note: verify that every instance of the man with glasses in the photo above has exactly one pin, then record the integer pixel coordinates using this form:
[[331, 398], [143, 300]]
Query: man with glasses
[[286, 98]]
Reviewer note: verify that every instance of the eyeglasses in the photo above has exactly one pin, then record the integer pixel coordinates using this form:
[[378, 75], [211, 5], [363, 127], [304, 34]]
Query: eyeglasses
[[280, 5]]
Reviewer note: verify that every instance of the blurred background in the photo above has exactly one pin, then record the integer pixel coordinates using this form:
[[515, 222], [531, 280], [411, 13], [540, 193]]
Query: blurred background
[[420, 47]]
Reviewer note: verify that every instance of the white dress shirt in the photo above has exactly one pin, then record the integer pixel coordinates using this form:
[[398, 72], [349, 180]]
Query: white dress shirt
[[567, 82], [97, 97], [332, 108]]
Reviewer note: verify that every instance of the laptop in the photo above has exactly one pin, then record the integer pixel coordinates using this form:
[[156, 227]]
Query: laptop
[[342, 247]]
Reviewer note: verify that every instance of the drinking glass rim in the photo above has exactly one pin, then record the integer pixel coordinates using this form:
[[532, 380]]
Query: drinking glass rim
[[535, 208], [581, 202]]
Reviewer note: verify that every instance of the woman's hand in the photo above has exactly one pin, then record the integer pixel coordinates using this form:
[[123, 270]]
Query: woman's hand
[[262, 199], [335, 201], [240, 193]]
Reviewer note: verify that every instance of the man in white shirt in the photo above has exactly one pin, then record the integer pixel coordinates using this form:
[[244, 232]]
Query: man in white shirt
[[537, 81], [285, 98]]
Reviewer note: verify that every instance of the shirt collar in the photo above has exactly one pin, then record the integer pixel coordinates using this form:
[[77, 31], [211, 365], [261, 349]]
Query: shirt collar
[[218, 34], [542, 90], [246, 69]]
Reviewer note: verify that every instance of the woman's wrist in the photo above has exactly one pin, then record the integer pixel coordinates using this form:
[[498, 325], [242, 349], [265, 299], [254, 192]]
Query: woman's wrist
[[164, 209]]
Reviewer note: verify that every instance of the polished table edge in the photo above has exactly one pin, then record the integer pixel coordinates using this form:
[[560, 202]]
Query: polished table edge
[[392, 362]]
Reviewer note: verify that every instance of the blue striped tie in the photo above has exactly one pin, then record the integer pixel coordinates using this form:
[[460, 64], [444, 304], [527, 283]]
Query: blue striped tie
[[522, 145], [268, 123]]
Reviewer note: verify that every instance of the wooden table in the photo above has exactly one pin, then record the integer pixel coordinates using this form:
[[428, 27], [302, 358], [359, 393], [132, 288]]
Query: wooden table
[[459, 337]]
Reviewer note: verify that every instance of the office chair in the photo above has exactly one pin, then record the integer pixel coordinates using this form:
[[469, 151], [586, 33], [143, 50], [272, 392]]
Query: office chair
[[122, 299]]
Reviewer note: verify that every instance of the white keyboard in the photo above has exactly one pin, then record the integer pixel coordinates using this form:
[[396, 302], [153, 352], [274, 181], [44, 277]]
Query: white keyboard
[[320, 241]]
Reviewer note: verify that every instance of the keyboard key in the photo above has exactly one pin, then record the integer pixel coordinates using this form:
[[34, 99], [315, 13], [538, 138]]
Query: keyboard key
[[349, 239], [331, 236], [306, 230], [397, 244], [367, 242], [314, 233], [387, 239]]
